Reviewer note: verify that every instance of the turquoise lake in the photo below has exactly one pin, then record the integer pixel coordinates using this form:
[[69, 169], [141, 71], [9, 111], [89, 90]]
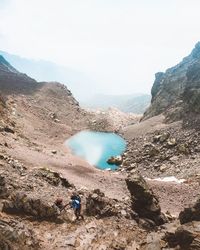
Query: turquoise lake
[[97, 147]]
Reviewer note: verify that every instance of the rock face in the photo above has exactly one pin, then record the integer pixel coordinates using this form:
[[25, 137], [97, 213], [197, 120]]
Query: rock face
[[4, 192], [178, 89], [53, 178], [191, 213], [21, 203], [187, 237], [97, 204], [14, 235], [144, 202]]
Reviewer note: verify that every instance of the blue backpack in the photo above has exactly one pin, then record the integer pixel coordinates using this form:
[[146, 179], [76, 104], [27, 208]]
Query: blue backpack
[[76, 201]]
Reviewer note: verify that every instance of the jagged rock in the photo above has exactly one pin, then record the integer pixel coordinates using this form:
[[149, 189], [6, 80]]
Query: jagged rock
[[191, 213], [15, 235], [4, 192], [20, 203], [163, 168], [183, 148], [115, 160], [161, 137], [171, 142], [186, 237], [144, 202], [164, 136], [53, 178], [97, 204], [176, 93], [181, 237], [8, 129]]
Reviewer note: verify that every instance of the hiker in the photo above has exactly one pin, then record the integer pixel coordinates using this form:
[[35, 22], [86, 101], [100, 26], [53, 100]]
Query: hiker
[[76, 205]]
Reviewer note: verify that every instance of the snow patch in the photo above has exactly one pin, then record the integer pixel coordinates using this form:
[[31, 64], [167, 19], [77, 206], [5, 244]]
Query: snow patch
[[168, 179]]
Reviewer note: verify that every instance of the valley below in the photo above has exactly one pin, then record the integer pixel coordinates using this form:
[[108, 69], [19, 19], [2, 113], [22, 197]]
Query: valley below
[[133, 207]]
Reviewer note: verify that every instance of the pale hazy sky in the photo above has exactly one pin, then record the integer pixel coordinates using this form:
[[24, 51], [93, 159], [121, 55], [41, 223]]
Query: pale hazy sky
[[119, 44]]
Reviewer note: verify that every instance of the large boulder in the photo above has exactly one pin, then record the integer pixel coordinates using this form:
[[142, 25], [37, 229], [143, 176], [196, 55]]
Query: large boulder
[[144, 202], [20, 203], [191, 213], [115, 160], [185, 237], [97, 204]]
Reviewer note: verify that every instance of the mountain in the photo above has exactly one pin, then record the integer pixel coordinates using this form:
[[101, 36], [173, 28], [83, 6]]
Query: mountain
[[176, 93], [136, 103], [5, 66], [36, 168], [120, 210], [42, 70]]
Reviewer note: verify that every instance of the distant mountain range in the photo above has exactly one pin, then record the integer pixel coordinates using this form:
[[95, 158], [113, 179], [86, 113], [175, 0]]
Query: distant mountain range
[[80, 85], [136, 103], [42, 70]]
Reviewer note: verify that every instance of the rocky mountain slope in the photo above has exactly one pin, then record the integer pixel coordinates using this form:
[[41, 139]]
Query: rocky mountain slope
[[48, 71], [36, 119], [176, 93], [121, 209]]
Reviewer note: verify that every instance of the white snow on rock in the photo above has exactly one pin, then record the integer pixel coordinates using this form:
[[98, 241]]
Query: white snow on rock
[[168, 179]]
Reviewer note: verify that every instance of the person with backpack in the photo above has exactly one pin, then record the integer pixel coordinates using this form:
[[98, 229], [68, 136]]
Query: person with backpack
[[76, 205]]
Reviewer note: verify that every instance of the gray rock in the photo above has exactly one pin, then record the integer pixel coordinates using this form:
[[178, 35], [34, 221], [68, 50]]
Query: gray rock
[[21, 203], [144, 202]]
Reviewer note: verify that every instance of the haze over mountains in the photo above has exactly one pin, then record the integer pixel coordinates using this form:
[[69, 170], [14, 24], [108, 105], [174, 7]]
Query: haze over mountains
[[42, 70], [81, 85], [135, 103]]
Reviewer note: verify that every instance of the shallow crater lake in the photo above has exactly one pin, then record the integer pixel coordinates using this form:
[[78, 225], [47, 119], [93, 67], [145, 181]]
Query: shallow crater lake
[[97, 147]]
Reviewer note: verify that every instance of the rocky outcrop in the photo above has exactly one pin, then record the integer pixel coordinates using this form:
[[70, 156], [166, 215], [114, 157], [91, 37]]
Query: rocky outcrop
[[15, 235], [115, 160], [191, 213], [144, 202], [97, 204], [53, 178], [20, 203], [185, 237], [4, 192], [177, 91]]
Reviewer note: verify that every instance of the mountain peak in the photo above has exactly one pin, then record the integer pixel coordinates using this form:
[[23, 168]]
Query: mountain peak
[[176, 93], [5, 66], [196, 51]]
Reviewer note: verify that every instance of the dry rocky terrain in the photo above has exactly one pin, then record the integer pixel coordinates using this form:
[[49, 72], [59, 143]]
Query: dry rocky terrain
[[124, 209]]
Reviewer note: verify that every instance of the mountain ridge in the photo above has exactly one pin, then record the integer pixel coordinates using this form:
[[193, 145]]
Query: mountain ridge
[[132, 103], [170, 91]]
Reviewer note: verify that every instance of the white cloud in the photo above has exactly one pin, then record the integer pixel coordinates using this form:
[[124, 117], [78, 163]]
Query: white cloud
[[119, 44]]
